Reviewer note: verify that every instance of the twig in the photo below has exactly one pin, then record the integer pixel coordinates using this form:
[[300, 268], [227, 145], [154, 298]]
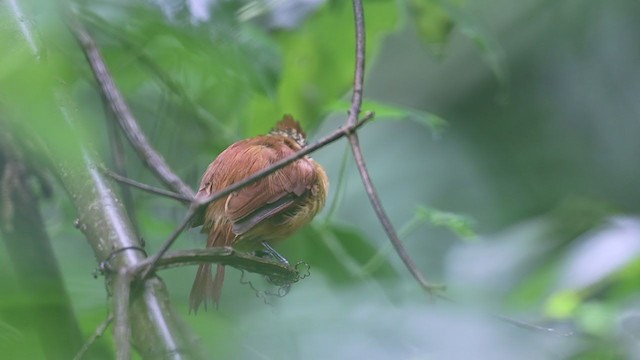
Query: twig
[[97, 334], [147, 188], [356, 102], [123, 114], [358, 76], [197, 204]]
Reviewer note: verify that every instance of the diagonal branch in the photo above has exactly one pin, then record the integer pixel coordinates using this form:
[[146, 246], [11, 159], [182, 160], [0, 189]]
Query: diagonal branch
[[147, 188], [123, 114], [356, 102]]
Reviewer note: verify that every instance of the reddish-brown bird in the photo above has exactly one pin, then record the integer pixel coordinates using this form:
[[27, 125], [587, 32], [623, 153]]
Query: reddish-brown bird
[[269, 210]]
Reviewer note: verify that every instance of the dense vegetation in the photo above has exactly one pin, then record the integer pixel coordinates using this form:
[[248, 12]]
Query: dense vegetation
[[520, 194]]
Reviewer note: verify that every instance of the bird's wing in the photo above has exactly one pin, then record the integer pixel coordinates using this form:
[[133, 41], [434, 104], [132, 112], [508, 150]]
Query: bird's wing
[[271, 195]]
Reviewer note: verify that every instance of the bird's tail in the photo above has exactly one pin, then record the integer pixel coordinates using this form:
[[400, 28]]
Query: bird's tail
[[206, 287]]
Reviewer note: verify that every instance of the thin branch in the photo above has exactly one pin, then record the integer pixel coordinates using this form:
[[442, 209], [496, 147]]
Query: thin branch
[[148, 270], [147, 188], [197, 204], [358, 77], [123, 114], [97, 334], [356, 102]]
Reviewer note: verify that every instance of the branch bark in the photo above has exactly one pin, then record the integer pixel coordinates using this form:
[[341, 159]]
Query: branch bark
[[156, 330]]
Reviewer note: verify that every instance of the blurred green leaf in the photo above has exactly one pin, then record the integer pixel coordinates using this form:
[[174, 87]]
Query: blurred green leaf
[[318, 63], [432, 22], [470, 26], [596, 318], [458, 224], [563, 304]]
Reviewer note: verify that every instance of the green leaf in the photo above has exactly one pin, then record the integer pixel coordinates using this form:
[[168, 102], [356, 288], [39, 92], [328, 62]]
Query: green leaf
[[458, 224], [563, 304], [596, 318], [491, 51], [431, 22]]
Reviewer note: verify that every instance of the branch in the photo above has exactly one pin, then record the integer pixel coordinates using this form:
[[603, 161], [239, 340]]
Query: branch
[[155, 328], [356, 102], [225, 256], [358, 76], [123, 114], [147, 188]]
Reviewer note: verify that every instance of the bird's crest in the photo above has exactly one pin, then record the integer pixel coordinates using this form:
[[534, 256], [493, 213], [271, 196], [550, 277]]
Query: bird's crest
[[290, 128]]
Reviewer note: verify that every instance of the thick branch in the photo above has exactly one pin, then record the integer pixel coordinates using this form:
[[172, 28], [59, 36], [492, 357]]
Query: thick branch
[[123, 114], [155, 328]]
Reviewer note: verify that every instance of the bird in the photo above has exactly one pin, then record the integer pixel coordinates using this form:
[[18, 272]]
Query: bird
[[262, 213]]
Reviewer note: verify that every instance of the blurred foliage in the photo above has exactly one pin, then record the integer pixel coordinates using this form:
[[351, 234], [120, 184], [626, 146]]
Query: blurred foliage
[[539, 148]]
